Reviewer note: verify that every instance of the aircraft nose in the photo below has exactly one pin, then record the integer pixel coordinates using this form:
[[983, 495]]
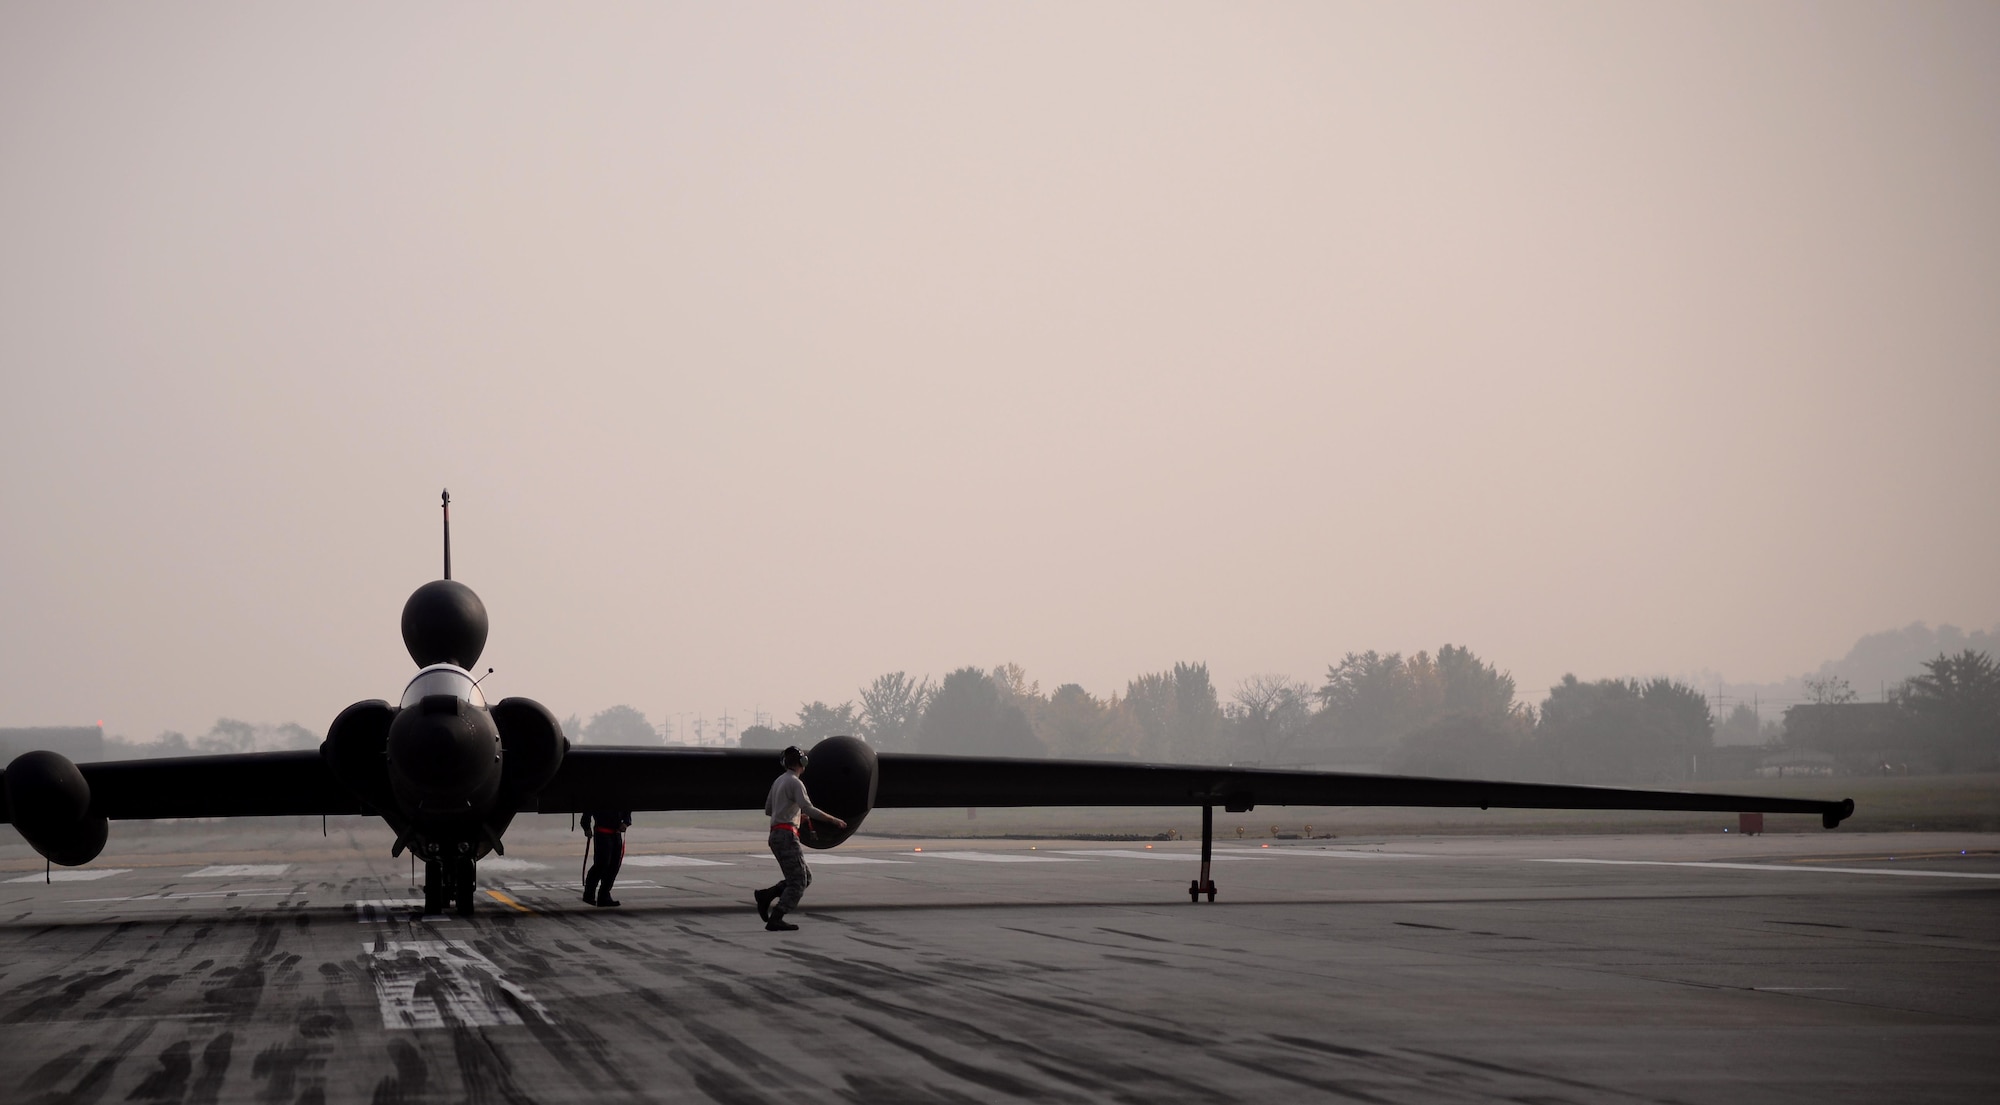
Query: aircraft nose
[[440, 748]]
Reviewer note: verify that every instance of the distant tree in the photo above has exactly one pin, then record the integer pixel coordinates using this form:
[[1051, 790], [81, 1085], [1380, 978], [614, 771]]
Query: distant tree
[[1074, 723], [228, 735], [1956, 705], [1150, 701], [817, 721], [1683, 728], [1271, 719], [1371, 701], [1619, 730], [1177, 713], [1366, 701], [892, 710], [1014, 683], [969, 716], [1740, 727], [1828, 690], [761, 736], [1018, 690], [1470, 746], [620, 725], [1470, 687]]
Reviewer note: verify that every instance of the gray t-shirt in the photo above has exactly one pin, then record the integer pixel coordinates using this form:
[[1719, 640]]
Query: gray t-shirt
[[788, 799]]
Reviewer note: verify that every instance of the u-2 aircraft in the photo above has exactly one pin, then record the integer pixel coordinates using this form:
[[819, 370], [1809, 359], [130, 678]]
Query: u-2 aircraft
[[448, 771]]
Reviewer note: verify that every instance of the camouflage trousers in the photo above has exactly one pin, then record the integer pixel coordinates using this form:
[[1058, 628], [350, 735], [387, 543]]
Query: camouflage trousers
[[792, 861]]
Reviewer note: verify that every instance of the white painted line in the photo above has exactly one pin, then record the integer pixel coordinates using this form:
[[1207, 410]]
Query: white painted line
[[240, 871], [503, 863], [205, 894], [376, 911], [1134, 853], [1794, 989], [1325, 853], [828, 859], [445, 984], [576, 889], [1779, 867], [73, 874], [674, 861], [1003, 857]]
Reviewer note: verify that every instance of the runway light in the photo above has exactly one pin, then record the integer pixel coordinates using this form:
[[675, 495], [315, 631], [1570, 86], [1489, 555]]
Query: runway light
[[1149, 846], [1263, 845], [919, 849]]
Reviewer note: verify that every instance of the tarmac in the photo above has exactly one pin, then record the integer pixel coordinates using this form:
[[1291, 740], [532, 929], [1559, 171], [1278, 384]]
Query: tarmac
[[262, 962]]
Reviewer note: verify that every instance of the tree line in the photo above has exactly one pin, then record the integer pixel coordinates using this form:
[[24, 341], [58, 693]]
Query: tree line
[[1451, 713]]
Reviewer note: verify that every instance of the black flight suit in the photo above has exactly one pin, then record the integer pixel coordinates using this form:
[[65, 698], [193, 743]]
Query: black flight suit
[[607, 850]]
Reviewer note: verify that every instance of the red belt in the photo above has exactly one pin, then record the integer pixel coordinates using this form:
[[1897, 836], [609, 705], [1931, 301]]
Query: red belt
[[787, 827], [609, 830]]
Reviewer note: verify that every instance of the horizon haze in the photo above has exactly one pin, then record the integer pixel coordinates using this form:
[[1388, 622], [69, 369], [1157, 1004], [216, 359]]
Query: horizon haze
[[768, 350]]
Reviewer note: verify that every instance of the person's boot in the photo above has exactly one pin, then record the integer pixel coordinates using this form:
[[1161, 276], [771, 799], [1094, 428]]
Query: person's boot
[[589, 897], [764, 903], [604, 897], [777, 923]]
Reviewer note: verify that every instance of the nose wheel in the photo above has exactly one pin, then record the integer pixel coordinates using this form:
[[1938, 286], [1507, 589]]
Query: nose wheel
[[449, 882]]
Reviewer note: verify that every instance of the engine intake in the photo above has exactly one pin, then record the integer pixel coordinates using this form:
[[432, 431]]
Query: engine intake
[[841, 776], [48, 800]]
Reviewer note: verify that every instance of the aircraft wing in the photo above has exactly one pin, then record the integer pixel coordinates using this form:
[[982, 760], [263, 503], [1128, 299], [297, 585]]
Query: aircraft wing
[[249, 784], [734, 779]]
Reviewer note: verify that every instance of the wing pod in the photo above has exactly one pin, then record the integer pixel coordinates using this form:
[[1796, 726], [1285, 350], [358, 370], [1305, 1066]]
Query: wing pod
[[356, 750], [531, 747], [48, 800], [840, 776]]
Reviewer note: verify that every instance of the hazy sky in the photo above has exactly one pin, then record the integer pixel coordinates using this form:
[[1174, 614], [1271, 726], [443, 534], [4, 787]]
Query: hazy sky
[[768, 348]]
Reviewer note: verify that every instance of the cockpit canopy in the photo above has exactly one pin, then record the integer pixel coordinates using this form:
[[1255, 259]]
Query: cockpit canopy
[[443, 679]]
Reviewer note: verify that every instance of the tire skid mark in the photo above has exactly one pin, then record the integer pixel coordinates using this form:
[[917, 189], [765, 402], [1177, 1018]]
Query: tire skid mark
[[97, 1076], [987, 1078], [1117, 1074]]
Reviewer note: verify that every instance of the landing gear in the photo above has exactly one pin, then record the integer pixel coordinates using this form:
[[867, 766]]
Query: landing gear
[[1204, 885], [462, 886], [448, 880]]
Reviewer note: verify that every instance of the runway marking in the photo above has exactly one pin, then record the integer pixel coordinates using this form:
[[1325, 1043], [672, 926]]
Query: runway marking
[[1781, 867], [1134, 853], [446, 984], [502, 863], [1325, 853], [575, 888], [376, 911], [829, 859], [1794, 989], [1003, 857], [203, 894], [508, 902], [674, 861], [75, 875], [240, 870]]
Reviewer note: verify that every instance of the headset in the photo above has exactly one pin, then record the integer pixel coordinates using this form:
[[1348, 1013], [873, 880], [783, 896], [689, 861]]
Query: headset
[[791, 757]]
